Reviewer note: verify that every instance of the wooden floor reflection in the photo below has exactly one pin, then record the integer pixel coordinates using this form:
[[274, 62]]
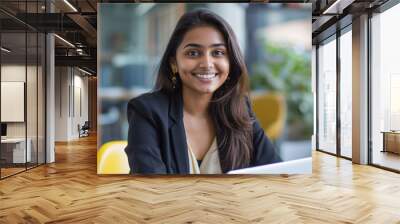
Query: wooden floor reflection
[[386, 159]]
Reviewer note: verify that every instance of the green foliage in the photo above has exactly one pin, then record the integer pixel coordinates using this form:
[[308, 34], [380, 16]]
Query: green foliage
[[289, 73]]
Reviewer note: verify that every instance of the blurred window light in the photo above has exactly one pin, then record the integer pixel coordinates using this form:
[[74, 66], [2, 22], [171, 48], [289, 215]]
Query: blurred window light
[[296, 33], [142, 9]]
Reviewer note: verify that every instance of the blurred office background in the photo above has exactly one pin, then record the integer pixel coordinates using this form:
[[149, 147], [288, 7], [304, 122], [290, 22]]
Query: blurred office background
[[276, 42]]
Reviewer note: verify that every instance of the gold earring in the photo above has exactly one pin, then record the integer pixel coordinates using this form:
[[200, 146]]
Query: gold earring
[[173, 79], [173, 68]]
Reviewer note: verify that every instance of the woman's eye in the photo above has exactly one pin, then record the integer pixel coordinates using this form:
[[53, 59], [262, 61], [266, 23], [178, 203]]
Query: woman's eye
[[192, 53], [219, 53]]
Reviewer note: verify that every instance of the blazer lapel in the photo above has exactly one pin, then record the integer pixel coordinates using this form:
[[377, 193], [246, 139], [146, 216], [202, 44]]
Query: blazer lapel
[[177, 133]]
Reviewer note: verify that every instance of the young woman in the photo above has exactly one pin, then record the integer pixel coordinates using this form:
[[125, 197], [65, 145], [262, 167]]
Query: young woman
[[198, 120]]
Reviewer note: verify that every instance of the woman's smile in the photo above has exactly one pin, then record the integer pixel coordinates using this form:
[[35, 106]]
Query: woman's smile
[[205, 77]]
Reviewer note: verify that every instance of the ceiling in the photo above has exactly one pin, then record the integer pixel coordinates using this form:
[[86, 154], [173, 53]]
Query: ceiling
[[76, 22], [330, 15]]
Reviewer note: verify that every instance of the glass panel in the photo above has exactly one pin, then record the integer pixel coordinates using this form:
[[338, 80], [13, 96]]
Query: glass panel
[[31, 97], [327, 97], [13, 85], [31, 85], [24, 87], [41, 98], [346, 94], [385, 89], [13, 91]]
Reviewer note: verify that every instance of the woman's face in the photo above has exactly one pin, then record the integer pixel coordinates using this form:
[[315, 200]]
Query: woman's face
[[202, 60]]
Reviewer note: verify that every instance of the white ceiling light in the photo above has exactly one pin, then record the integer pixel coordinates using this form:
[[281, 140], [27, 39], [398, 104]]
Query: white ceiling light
[[86, 72], [337, 7], [5, 49], [70, 5], [65, 41]]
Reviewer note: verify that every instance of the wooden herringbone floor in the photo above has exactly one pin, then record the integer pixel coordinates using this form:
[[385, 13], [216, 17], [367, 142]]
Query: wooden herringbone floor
[[69, 191]]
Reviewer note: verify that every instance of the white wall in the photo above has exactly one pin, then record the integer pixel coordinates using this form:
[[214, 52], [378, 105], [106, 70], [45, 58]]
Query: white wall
[[71, 87], [61, 103], [80, 94], [14, 73]]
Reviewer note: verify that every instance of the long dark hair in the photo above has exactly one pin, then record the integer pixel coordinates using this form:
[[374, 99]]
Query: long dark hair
[[228, 105]]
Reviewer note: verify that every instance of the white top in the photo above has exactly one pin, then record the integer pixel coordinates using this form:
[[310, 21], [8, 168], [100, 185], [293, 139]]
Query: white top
[[210, 163]]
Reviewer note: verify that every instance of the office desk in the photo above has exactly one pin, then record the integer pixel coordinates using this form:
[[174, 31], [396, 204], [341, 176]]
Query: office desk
[[391, 141], [13, 150]]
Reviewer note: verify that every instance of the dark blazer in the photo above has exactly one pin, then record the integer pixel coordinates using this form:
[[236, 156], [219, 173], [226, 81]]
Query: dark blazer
[[157, 139]]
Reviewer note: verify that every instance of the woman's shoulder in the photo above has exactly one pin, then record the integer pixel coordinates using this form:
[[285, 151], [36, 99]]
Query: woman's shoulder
[[151, 101]]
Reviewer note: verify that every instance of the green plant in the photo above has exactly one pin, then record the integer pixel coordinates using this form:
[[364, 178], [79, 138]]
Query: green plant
[[288, 72]]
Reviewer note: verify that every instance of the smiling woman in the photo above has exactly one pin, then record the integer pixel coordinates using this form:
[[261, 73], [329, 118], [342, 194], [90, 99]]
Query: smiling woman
[[198, 119]]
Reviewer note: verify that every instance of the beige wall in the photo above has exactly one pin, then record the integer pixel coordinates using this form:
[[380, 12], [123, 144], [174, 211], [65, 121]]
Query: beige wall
[[71, 102]]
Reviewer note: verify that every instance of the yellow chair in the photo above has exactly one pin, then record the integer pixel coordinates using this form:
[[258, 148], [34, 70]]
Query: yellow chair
[[270, 110], [112, 159]]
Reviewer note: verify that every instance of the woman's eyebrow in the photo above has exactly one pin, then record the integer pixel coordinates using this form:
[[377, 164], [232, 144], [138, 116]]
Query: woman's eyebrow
[[200, 46]]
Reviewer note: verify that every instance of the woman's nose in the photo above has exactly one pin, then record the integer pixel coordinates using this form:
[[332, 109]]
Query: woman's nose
[[206, 61]]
